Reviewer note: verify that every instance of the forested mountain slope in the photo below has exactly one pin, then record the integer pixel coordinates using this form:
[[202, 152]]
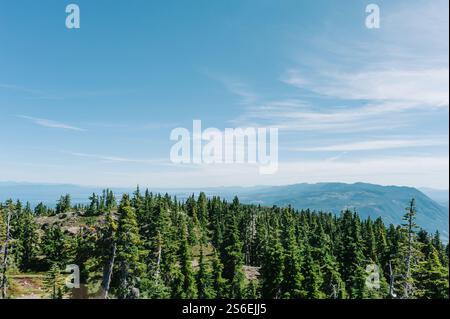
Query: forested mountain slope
[[156, 246]]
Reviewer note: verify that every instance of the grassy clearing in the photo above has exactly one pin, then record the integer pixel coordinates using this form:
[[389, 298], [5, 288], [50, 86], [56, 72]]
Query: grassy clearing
[[27, 286]]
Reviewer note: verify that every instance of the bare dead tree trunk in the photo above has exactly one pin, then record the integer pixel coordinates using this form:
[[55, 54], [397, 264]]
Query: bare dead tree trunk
[[409, 252], [391, 281], [249, 240], [108, 274], [3, 282], [334, 294], [159, 261]]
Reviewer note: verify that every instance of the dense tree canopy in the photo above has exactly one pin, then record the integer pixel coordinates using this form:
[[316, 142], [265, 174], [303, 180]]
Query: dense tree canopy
[[155, 246]]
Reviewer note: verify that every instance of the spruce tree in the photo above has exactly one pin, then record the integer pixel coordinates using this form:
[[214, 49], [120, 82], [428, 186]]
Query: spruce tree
[[370, 246], [409, 251], [253, 290], [93, 206], [188, 289], [54, 246], [54, 282], [202, 214], [431, 277], [28, 240], [204, 279], [154, 288], [217, 224], [64, 204], [291, 287], [220, 286], [129, 269], [272, 267], [232, 257], [381, 243], [164, 248], [351, 256], [313, 281], [439, 246], [40, 210], [322, 250]]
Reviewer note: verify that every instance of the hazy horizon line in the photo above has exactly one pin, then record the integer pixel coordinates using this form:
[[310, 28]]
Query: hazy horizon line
[[212, 187]]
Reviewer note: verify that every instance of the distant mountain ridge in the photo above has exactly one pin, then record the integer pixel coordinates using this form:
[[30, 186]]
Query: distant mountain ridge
[[439, 195], [388, 202]]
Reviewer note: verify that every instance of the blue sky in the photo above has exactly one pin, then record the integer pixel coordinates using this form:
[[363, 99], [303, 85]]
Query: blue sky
[[95, 106]]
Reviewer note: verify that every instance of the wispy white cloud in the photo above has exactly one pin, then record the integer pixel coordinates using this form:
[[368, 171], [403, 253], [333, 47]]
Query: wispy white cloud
[[301, 116], [51, 124], [135, 126], [378, 81], [375, 145], [236, 87], [240, 90], [369, 81], [18, 88], [415, 88], [118, 159]]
